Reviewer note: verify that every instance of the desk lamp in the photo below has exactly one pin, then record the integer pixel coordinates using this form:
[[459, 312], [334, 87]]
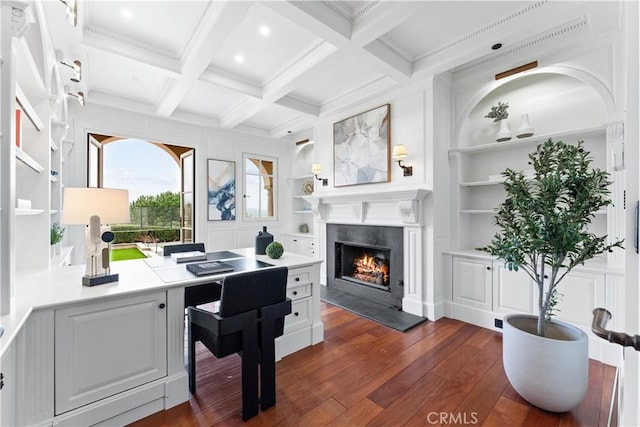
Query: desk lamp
[[94, 207]]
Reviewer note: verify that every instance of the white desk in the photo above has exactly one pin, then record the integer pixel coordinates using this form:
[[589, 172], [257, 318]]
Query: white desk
[[76, 355]]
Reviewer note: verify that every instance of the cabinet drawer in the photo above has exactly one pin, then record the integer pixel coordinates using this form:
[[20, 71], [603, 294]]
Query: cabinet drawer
[[300, 314], [298, 276], [298, 292]]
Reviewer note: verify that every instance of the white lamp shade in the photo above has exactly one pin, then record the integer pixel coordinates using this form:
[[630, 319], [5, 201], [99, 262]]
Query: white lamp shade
[[316, 168], [80, 204], [399, 152]]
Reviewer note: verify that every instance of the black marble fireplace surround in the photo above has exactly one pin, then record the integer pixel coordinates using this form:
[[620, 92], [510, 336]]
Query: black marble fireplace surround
[[380, 239]]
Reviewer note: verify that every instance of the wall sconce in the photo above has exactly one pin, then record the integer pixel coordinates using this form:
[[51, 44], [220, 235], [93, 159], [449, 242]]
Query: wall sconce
[[96, 206], [72, 11], [399, 153], [315, 170], [79, 96], [77, 70]]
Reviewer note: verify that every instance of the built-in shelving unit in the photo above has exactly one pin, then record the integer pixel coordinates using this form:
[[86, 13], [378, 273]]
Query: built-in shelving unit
[[482, 288]]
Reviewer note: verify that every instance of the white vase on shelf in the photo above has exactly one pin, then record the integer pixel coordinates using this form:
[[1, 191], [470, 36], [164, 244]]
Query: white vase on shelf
[[525, 130], [504, 133]]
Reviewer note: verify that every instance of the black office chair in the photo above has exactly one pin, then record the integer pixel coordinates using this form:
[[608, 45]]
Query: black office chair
[[199, 294], [252, 310]]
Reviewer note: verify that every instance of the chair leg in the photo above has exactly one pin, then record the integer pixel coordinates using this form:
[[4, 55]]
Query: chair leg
[[267, 366], [249, 372], [191, 358]]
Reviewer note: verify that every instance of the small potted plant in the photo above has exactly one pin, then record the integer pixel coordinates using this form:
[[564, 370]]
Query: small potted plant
[[57, 233], [499, 114], [543, 231]]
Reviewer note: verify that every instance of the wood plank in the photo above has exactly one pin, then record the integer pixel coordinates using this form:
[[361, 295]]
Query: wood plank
[[507, 413], [392, 389], [358, 415]]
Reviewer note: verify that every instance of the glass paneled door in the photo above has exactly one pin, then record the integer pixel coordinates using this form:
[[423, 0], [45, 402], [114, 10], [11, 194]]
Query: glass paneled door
[[187, 184]]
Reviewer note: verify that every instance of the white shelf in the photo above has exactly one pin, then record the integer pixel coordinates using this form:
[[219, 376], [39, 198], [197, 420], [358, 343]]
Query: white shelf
[[53, 211], [24, 212], [28, 160], [53, 178], [303, 212], [477, 211], [480, 183], [536, 139], [53, 145], [28, 109]]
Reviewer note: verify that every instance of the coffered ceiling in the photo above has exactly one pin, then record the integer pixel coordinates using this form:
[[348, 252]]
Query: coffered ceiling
[[301, 60]]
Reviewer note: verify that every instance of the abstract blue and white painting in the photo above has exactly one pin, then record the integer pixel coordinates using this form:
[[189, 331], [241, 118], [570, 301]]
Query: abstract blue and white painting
[[221, 187]]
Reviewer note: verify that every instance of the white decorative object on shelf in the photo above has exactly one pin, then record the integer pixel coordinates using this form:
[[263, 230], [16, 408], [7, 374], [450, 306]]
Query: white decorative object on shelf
[[504, 133], [525, 130], [23, 204]]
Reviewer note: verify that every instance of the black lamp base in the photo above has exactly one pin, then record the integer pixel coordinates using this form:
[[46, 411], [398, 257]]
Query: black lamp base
[[99, 280]]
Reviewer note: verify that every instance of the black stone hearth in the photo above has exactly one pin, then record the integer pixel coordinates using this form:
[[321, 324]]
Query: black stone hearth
[[378, 302], [377, 312]]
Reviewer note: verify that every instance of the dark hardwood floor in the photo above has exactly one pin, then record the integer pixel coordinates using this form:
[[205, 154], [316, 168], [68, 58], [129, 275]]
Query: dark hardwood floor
[[439, 373]]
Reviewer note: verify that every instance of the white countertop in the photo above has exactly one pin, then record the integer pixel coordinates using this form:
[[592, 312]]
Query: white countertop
[[57, 287]]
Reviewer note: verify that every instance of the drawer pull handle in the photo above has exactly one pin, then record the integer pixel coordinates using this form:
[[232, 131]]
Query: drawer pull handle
[[297, 279], [296, 314], [161, 306], [295, 292], [488, 268]]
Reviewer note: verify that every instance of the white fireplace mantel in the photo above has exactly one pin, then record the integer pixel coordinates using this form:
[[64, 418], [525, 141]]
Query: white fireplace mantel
[[398, 206]]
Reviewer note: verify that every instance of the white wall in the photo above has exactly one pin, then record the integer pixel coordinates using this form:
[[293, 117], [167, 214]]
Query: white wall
[[208, 144]]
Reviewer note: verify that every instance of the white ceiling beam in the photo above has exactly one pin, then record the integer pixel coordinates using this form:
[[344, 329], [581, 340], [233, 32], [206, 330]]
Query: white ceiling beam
[[219, 22], [114, 44], [287, 80], [241, 112], [299, 105], [229, 82], [329, 25], [383, 18]]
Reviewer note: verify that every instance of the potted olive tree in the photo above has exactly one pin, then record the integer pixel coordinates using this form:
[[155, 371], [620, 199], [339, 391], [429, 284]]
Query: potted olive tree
[[543, 231]]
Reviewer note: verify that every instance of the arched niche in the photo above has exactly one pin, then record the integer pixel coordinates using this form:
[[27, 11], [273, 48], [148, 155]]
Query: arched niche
[[556, 100], [303, 159]]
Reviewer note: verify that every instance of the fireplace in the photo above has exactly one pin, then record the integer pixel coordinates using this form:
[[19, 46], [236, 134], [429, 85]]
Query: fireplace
[[363, 264], [366, 261]]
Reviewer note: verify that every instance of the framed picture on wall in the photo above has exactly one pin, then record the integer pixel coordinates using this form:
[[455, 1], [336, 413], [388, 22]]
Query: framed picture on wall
[[221, 190], [361, 148]]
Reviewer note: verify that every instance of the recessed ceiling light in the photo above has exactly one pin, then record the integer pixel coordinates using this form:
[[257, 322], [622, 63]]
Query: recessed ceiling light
[[239, 58], [127, 13], [264, 30]]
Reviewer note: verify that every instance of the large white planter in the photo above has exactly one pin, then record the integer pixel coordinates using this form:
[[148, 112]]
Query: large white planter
[[551, 372]]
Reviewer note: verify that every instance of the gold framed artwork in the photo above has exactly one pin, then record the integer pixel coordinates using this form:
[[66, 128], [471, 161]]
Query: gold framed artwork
[[361, 148]]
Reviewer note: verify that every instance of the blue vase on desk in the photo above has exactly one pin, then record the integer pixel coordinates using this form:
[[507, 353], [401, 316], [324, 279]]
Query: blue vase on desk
[[262, 241]]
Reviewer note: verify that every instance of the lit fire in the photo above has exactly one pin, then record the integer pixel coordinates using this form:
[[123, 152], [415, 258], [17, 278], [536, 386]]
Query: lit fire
[[371, 269]]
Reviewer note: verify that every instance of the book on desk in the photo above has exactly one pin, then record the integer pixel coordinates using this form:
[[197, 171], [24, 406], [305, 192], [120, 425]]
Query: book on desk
[[209, 267], [188, 256]]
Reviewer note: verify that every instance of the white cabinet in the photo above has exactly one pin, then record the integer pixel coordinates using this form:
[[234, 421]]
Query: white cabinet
[[513, 291], [472, 282], [298, 325], [108, 347], [8, 387], [300, 244]]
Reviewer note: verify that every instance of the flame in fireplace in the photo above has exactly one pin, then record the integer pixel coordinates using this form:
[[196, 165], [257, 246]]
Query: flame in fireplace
[[371, 269]]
